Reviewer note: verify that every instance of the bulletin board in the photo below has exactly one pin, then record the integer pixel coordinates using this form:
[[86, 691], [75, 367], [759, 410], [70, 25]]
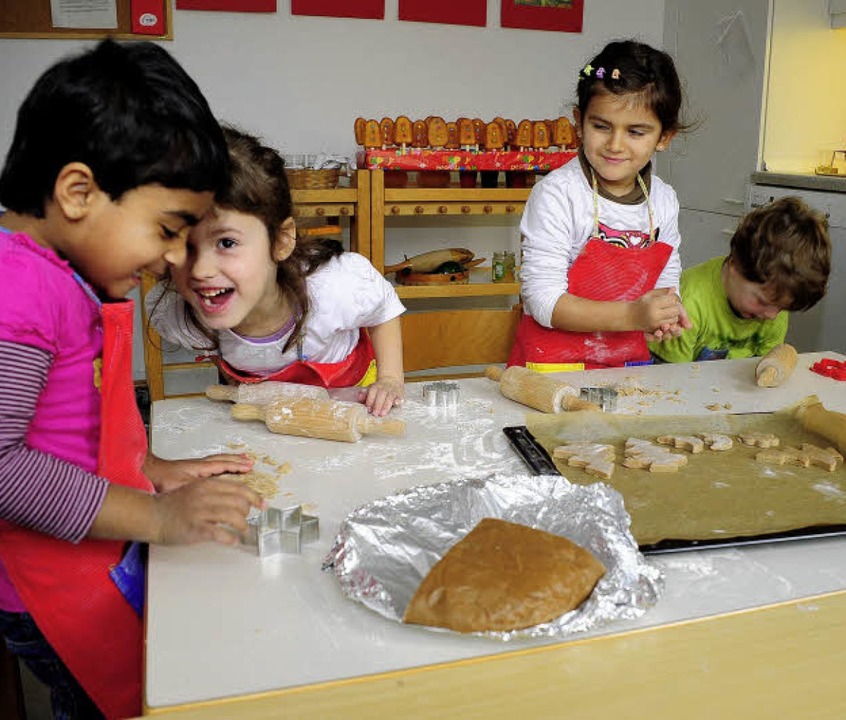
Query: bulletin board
[[33, 19]]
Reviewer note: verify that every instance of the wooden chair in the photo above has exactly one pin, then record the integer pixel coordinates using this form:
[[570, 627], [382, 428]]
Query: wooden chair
[[154, 364], [457, 338]]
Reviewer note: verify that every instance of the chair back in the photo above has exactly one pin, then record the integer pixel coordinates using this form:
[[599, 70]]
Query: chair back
[[457, 339]]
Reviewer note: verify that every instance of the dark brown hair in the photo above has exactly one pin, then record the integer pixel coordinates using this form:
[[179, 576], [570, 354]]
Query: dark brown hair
[[785, 246], [258, 186], [640, 70]]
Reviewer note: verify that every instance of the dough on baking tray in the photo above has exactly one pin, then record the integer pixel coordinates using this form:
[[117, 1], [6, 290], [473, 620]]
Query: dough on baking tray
[[595, 458], [645, 455], [504, 576]]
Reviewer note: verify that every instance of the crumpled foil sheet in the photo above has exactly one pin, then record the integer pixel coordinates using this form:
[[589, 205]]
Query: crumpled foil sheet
[[384, 549]]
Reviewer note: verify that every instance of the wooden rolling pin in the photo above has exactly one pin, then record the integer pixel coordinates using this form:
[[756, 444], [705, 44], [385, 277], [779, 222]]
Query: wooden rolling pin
[[828, 423], [776, 366], [316, 418], [538, 391], [264, 392]]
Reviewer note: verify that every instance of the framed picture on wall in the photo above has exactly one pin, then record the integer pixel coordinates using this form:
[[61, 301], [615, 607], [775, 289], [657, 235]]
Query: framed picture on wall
[[450, 12], [366, 9], [558, 15], [266, 6]]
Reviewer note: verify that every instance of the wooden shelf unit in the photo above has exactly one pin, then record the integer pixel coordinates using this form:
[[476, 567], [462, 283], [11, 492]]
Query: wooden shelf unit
[[452, 201]]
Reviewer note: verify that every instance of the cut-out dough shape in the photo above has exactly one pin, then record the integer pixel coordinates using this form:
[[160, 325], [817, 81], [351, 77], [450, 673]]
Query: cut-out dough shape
[[761, 440], [826, 458], [716, 441], [595, 458], [645, 455], [682, 442], [784, 456]]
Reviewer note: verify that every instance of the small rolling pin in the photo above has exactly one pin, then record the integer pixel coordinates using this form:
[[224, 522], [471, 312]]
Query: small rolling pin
[[264, 392], [776, 366], [828, 423], [316, 418], [537, 390]]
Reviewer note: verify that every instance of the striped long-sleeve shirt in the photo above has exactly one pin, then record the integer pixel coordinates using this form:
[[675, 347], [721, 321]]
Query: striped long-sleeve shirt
[[38, 490]]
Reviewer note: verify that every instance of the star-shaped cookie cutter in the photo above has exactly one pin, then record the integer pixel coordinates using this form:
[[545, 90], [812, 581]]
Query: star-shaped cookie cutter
[[275, 531]]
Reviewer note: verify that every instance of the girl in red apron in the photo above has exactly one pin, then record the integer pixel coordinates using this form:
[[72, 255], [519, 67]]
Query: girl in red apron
[[272, 306], [77, 485], [600, 266]]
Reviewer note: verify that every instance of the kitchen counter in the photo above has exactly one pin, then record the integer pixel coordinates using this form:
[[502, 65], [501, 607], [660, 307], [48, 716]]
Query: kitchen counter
[[804, 181], [752, 632]]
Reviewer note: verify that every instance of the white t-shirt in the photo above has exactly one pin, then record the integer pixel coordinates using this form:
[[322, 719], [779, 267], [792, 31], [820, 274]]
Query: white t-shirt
[[345, 294], [558, 221]]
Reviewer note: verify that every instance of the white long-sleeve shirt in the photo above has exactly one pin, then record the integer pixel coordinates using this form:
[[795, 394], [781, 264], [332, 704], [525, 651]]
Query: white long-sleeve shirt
[[558, 221], [345, 294]]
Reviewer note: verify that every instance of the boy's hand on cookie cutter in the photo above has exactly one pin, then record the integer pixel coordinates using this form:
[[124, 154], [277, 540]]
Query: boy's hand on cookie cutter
[[383, 395], [206, 509]]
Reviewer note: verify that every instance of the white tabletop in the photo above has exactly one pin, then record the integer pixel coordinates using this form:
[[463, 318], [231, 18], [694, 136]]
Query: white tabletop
[[222, 622]]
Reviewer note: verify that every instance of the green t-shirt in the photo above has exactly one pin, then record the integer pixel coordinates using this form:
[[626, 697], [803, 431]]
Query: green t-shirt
[[717, 332]]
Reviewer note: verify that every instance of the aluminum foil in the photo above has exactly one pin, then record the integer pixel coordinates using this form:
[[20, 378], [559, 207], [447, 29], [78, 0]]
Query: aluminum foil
[[384, 549]]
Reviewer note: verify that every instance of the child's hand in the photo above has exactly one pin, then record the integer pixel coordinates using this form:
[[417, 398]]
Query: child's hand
[[204, 509], [657, 309], [671, 330], [168, 475], [384, 394]]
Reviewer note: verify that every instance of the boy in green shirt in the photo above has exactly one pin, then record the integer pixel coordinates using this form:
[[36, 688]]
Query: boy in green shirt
[[779, 261]]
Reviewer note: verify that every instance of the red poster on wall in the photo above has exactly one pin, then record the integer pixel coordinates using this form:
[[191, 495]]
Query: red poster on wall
[[452, 12], [366, 9], [148, 17], [268, 6], [560, 15]]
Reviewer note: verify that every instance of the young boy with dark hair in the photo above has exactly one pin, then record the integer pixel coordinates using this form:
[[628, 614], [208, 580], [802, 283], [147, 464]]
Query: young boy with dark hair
[[115, 156], [779, 261]]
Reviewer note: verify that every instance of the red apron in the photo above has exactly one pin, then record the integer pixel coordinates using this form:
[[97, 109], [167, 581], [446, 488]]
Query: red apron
[[66, 587], [345, 373], [602, 271]]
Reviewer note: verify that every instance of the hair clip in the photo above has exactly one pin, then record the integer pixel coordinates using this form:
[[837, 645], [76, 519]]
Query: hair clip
[[615, 74], [600, 73], [587, 70]]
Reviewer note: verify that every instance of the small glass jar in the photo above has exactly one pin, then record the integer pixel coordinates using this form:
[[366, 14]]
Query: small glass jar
[[502, 268]]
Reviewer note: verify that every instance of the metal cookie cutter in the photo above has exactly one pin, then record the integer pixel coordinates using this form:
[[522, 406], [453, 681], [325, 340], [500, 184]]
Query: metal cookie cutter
[[441, 394], [605, 397], [275, 531]]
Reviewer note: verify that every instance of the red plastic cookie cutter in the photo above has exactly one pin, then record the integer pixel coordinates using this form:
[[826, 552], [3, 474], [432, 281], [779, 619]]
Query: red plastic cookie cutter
[[835, 369]]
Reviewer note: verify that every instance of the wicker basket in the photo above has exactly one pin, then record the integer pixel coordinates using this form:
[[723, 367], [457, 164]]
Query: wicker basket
[[309, 179]]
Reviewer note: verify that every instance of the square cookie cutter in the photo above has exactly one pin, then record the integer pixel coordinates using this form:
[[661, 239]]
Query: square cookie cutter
[[605, 397], [275, 531]]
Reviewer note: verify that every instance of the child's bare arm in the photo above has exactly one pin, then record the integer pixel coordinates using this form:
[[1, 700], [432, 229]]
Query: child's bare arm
[[649, 312], [389, 388], [198, 511]]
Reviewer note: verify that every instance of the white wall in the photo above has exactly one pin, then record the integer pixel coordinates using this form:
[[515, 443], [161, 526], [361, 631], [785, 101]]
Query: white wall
[[806, 101], [300, 82]]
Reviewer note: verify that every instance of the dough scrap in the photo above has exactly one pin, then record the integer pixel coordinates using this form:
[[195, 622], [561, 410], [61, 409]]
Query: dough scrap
[[717, 441], [757, 439], [504, 576], [683, 442]]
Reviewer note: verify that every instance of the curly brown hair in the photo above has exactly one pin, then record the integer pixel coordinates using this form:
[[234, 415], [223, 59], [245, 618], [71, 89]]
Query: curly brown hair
[[785, 246]]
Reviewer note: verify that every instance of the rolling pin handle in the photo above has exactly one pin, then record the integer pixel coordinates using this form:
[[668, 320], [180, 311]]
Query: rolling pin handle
[[494, 373], [221, 392]]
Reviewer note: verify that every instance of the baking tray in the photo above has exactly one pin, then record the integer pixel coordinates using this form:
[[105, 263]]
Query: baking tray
[[539, 461]]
